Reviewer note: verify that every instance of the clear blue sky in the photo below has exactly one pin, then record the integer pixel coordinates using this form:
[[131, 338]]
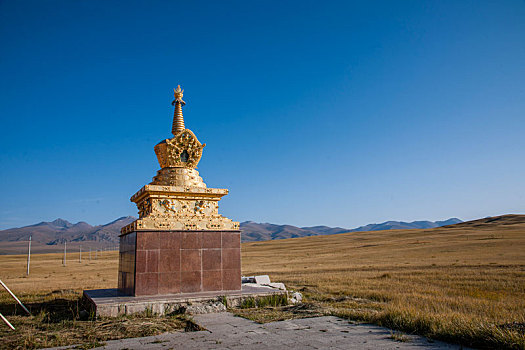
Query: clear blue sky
[[314, 113]]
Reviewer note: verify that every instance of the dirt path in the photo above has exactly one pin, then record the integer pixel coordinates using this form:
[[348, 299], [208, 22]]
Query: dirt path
[[225, 331]]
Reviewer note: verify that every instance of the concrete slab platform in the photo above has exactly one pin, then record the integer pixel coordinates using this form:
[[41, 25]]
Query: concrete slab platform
[[110, 303], [225, 331]]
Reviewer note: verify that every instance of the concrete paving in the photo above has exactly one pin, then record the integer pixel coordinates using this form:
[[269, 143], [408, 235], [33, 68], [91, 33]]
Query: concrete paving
[[225, 331]]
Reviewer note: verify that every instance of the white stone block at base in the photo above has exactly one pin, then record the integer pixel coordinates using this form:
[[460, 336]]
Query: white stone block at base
[[263, 279], [277, 285], [296, 298]]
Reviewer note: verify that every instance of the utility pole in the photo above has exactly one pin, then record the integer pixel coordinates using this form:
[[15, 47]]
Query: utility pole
[[28, 255], [65, 248], [79, 254]]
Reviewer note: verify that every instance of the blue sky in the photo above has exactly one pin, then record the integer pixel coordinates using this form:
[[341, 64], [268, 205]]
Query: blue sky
[[314, 113]]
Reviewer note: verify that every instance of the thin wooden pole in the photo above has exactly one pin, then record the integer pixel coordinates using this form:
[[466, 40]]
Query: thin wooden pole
[[14, 296], [65, 248], [28, 255], [7, 322], [80, 254]]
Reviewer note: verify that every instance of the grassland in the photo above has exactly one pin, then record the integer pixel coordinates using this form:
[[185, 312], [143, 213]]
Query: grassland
[[464, 284], [53, 292]]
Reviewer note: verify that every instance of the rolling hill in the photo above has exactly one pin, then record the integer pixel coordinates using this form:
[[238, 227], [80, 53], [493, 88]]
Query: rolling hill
[[493, 221]]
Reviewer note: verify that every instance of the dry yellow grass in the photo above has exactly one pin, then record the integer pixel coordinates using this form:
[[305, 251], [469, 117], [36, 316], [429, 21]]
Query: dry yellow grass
[[53, 294], [464, 284], [47, 273]]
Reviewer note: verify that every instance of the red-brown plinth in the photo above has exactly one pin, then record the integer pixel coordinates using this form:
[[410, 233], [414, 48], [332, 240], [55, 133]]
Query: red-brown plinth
[[175, 262]]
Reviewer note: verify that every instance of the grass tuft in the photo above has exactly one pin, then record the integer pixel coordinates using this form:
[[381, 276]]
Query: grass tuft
[[273, 300], [399, 336]]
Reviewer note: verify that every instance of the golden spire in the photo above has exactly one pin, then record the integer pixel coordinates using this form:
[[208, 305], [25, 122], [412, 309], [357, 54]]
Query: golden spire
[[178, 119]]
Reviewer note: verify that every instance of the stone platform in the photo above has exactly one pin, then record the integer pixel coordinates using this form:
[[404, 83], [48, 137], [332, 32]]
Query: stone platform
[[111, 303]]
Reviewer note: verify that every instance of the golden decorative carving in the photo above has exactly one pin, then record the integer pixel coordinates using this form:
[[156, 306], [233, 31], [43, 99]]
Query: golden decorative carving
[[178, 177], [182, 150], [179, 208], [144, 208], [177, 198]]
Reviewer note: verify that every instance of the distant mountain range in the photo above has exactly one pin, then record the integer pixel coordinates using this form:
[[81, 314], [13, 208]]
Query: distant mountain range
[[59, 231], [252, 231]]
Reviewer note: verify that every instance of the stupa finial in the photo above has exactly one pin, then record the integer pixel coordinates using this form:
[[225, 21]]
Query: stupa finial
[[178, 119], [178, 93]]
